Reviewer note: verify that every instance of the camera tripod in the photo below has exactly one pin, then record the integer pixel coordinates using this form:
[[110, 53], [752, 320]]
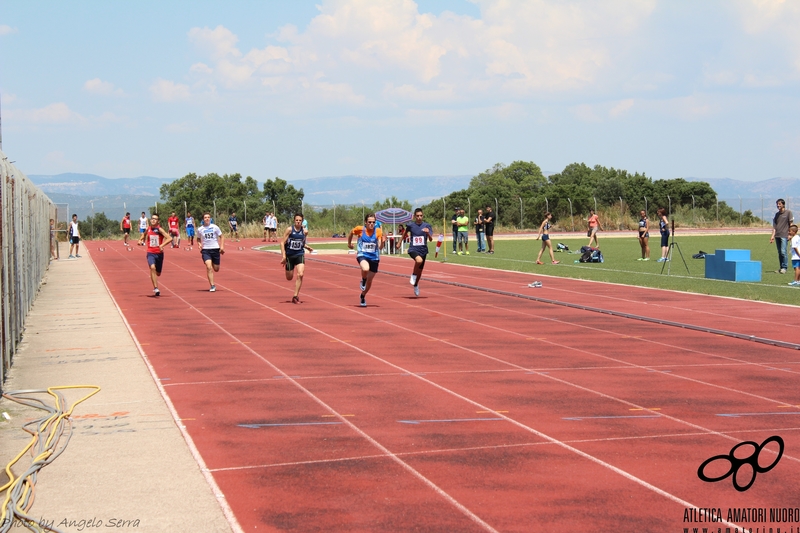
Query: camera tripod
[[672, 246]]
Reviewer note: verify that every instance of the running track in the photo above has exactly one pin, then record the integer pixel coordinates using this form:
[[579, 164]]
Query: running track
[[467, 409]]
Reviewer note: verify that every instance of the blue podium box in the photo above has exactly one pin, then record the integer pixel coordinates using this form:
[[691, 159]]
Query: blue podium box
[[732, 265]]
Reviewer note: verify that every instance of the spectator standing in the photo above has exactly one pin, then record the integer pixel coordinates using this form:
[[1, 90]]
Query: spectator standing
[[454, 222], [644, 235], [463, 232], [53, 254], [125, 226], [780, 233], [267, 220], [663, 228], [479, 231], [488, 226], [594, 227], [74, 238]]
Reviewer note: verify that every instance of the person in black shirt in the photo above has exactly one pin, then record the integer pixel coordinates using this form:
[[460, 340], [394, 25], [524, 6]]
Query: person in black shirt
[[455, 228], [488, 226]]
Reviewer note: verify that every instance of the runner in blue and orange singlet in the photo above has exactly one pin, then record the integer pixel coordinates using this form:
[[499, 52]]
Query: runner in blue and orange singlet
[[368, 252]]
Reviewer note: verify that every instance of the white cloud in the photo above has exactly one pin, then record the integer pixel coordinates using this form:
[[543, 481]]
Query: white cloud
[[58, 113], [105, 88], [621, 108], [7, 30], [169, 91]]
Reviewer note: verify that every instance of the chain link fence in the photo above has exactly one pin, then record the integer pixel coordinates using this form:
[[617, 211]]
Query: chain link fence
[[25, 214]]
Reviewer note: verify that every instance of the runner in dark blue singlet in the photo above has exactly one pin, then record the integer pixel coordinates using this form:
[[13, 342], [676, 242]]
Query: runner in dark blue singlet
[[421, 233], [293, 246]]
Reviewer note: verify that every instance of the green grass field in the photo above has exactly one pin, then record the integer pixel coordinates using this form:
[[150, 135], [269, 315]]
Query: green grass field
[[621, 265]]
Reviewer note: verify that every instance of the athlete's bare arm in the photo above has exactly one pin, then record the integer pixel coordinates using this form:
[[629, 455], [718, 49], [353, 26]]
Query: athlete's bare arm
[[167, 238]]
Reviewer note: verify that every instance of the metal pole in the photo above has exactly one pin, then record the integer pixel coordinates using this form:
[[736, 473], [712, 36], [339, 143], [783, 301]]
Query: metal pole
[[669, 214], [92, 219], [520, 213], [740, 208], [245, 211], [645, 205], [334, 217], [762, 208], [693, 209], [469, 209], [215, 210], [620, 212], [572, 220], [546, 204]]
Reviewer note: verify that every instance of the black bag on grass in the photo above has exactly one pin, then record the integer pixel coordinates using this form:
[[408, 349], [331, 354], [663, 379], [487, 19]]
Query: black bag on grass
[[590, 255]]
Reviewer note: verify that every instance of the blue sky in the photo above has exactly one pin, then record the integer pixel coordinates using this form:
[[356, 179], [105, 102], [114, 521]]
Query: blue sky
[[298, 89]]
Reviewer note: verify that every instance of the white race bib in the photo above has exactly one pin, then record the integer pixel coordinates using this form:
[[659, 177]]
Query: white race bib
[[154, 241], [295, 245], [369, 247], [418, 241]]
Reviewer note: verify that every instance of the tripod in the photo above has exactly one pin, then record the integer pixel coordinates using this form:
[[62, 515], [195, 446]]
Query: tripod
[[673, 245]]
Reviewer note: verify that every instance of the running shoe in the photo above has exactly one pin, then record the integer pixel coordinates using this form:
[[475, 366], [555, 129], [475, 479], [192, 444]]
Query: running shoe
[[416, 290], [660, 260], [466, 253], [556, 262], [156, 292], [295, 300], [413, 279], [539, 263], [363, 285], [490, 252], [647, 259], [640, 259], [71, 257], [76, 255], [781, 271], [213, 288], [363, 300]]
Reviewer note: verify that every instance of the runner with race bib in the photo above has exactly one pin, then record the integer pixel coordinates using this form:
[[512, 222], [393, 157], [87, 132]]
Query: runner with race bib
[[370, 242], [293, 247], [421, 233], [211, 242], [156, 239]]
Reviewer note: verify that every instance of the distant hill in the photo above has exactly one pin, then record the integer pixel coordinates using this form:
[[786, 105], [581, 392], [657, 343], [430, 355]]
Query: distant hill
[[114, 206], [418, 190], [756, 195], [92, 185]]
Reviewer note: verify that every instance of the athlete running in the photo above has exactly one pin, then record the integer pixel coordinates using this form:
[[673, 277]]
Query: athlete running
[[143, 225], [293, 246], [233, 223], [421, 233], [211, 242], [174, 224], [370, 242], [190, 228], [157, 239]]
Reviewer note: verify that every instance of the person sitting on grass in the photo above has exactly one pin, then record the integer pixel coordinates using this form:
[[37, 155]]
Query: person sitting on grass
[[544, 233]]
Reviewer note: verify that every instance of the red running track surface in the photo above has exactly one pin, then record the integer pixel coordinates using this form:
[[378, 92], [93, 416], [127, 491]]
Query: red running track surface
[[463, 409]]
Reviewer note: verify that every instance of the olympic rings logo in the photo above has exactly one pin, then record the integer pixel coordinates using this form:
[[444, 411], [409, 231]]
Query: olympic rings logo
[[737, 463]]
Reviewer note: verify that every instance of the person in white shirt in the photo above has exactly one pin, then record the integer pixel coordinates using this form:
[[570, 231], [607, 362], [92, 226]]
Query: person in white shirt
[[144, 223], [267, 220], [74, 238], [795, 240], [211, 242]]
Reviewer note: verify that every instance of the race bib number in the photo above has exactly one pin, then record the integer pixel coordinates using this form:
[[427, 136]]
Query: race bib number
[[418, 241], [295, 245], [154, 241], [208, 235], [369, 247]]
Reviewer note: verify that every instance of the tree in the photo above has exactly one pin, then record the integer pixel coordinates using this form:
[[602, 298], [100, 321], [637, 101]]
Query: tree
[[286, 199]]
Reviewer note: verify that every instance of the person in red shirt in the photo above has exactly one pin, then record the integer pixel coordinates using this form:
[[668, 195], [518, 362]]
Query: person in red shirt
[[156, 239], [125, 227], [174, 229]]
